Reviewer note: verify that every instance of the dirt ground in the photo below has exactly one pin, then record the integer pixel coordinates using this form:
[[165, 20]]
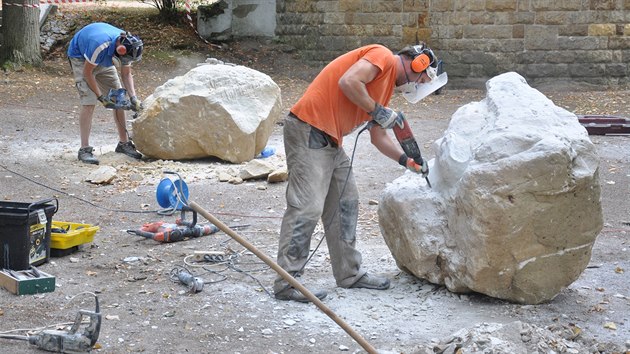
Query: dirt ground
[[144, 310]]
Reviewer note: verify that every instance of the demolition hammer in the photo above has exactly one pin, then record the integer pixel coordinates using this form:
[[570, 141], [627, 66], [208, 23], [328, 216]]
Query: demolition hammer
[[405, 137], [181, 230], [72, 341]]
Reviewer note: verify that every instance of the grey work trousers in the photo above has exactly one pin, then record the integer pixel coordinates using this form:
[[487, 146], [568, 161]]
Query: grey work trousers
[[321, 185]]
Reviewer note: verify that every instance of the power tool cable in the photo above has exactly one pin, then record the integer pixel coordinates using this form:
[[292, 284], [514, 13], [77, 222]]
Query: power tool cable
[[229, 263], [343, 189], [75, 197], [165, 211]]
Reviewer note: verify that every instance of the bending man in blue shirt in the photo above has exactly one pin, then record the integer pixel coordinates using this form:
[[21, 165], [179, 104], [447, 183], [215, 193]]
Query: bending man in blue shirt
[[93, 52]]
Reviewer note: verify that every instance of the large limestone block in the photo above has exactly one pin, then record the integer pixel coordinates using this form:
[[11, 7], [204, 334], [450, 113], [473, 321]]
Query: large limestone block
[[515, 205], [215, 109]]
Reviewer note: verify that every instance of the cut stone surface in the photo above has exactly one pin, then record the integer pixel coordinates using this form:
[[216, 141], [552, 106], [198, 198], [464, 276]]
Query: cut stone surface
[[515, 205], [214, 110]]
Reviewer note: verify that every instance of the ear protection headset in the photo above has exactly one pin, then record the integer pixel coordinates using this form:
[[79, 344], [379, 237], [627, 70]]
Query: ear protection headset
[[128, 45], [120, 48], [421, 58]]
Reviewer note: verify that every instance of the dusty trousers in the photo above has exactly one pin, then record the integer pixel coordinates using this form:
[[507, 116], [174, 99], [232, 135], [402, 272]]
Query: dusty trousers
[[321, 185]]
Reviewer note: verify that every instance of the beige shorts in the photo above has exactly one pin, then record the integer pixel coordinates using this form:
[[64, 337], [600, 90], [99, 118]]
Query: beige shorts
[[106, 78]]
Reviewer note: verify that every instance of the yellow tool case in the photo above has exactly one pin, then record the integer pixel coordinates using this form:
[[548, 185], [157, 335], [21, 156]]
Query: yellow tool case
[[66, 237]]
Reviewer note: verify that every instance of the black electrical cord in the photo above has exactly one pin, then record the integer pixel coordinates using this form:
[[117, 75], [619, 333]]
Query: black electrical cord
[[79, 198], [345, 183], [166, 211], [229, 263]]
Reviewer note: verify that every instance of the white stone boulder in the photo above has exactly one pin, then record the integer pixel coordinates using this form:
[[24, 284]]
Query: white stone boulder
[[515, 205], [214, 110]]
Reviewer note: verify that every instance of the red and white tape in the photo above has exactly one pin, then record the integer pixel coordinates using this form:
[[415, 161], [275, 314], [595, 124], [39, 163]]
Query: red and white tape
[[46, 2], [187, 4], [190, 21], [63, 1], [20, 5]]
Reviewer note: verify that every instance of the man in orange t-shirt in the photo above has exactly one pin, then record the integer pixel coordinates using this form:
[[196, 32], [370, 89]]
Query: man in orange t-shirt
[[352, 89]]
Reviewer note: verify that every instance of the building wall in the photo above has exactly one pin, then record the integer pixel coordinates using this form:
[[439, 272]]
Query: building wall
[[546, 41]]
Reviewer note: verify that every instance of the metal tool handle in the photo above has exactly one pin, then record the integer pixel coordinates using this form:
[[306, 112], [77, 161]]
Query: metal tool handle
[[286, 276], [182, 219]]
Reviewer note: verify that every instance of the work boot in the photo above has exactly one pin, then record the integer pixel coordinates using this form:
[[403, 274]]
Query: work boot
[[86, 155], [368, 281], [292, 294], [128, 149]]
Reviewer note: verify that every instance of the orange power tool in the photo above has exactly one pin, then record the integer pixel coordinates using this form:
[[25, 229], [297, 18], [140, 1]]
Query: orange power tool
[[165, 232], [403, 134]]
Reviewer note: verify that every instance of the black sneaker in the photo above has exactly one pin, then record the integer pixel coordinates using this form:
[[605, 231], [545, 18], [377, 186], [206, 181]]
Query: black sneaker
[[128, 149], [86, 155], [293, 294], [371, 282]]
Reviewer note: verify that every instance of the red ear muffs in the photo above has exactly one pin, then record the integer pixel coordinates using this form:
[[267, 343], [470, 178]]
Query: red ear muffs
[[420, 63], [121, 50]]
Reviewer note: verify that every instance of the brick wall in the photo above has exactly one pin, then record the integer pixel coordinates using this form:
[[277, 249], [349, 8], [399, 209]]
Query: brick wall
[[584, 41]]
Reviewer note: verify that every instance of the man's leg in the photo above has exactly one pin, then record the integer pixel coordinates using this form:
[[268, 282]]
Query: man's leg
[[85, 124], [88, 101], [121, 125], [309, 176], [85, 153], [341, 212], [108, 79]]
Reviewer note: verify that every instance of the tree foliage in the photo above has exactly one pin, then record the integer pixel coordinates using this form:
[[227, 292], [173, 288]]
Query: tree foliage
[[168, 8]]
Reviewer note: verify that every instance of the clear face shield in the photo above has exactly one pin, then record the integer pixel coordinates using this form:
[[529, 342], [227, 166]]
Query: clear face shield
[[415, 91]]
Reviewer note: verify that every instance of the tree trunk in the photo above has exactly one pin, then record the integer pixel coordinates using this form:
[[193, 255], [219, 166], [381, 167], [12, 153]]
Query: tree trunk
[[20, 32]]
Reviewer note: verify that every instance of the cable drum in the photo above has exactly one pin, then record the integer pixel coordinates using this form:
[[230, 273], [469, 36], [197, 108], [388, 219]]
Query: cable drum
[[172, 193]]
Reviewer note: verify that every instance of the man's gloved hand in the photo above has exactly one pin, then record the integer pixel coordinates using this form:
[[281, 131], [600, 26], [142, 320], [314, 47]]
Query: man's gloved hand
[[384, 116], [413, 166], [107, 102], [136, 104]]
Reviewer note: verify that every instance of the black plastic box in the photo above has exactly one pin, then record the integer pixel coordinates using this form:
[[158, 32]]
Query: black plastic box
[[25, 233]]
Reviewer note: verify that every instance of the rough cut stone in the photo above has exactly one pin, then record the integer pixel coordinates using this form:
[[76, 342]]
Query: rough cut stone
[[256, 169], [215, 109], [515, 205], [280, 175], [102, 175]]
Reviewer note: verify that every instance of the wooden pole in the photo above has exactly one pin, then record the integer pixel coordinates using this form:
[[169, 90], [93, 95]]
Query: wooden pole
[[286, 276]]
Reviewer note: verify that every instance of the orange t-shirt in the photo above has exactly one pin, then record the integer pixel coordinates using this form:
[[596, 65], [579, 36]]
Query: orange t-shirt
[[325, 106]]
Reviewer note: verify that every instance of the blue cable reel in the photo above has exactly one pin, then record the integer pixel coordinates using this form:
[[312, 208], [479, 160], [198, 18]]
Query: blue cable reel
[[172, 193]]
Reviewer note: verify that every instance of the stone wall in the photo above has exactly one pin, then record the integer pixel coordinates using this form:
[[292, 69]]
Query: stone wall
[[546, 41]]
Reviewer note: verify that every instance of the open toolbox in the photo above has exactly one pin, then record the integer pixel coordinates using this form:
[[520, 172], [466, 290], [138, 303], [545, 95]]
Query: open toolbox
[[66, 237], [27, 282]]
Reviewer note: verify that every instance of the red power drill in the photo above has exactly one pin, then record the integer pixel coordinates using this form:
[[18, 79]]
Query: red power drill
[[408, 143]]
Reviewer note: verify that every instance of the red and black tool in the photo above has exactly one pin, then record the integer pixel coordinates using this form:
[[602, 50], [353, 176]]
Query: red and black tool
[[182, 230], [405, 137]]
